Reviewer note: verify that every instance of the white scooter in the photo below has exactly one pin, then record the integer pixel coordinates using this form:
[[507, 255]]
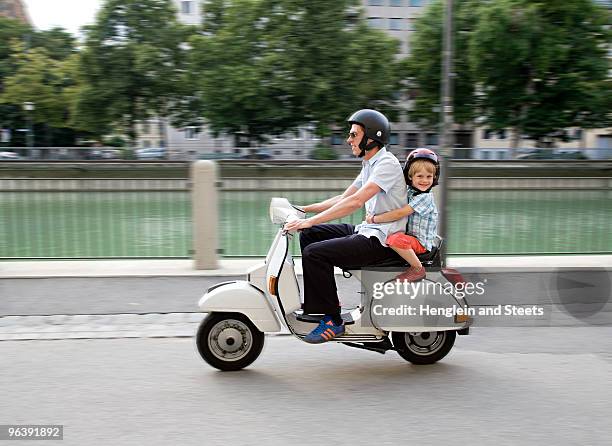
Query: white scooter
[[231, 336]]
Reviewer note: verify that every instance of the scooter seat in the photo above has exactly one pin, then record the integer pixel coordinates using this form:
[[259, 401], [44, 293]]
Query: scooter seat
[[428, 259]]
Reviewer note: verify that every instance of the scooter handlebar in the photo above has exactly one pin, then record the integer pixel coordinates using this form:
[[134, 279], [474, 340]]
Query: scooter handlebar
[[281, 211]]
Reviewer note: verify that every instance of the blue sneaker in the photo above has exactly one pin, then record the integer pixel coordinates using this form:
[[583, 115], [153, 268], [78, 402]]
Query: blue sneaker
[[325, 331]]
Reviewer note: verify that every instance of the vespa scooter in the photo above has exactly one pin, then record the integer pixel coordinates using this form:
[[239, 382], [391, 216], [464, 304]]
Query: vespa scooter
[[240, 312]]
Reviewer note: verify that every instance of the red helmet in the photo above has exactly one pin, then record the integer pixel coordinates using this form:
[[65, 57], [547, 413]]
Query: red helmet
[[422, 154]]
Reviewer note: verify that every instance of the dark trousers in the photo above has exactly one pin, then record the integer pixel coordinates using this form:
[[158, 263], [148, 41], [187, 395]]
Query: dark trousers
[[326, 246]]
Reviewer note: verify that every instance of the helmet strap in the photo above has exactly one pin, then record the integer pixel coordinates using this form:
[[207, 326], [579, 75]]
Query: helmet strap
[[419, 192], [365, 146]]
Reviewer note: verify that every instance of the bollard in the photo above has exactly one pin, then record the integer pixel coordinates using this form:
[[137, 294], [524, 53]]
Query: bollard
[[205, 214]]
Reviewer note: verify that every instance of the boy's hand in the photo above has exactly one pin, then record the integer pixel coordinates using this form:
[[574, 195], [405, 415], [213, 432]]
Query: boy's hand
[[369, 218]]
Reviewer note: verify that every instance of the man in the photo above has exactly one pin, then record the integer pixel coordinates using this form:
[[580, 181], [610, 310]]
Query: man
[[381, 187]]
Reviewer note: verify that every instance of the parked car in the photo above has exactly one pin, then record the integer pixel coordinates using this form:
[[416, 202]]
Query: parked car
[[151, 153], [549, 154], [9, 156], [219, 156], [111, 154], [259, 155]]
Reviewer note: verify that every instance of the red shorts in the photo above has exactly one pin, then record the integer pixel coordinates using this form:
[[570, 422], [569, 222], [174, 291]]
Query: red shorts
[[405, 241]]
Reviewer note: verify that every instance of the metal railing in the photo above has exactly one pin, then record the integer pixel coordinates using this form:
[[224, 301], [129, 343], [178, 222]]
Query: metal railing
[[94, 218], [530, 215], [151, 218]]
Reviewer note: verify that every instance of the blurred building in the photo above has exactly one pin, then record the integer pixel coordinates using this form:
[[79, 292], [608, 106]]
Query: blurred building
[[397, 18], [189, 11], [14, 9]]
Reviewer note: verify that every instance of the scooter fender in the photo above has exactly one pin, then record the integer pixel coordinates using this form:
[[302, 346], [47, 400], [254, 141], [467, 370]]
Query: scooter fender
[[241, 297]]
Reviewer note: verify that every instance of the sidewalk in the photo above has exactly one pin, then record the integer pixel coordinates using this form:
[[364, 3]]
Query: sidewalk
[[239, 266]]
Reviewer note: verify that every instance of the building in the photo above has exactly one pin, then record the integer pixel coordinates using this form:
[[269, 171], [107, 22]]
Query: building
[[189, 11], [15, 9]]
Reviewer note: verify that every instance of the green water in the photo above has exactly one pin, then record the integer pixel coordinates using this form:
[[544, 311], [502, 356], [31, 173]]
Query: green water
[[158, 224]]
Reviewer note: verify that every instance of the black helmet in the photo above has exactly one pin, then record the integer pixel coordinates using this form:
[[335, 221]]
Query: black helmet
[[375, 125], [422, 153]]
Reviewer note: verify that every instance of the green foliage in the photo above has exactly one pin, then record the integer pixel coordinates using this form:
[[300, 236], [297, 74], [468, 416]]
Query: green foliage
[[114, 141], [555, 67], [34, 67], [10, 32], [535, 66], [131, 64], [37, 79], [322, 152], [47, 83], [58, 43], [423, 66], [264, 67]]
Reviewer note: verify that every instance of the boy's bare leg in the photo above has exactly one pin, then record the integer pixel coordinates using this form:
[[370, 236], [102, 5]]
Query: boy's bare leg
[[416, 270], [409, 256]]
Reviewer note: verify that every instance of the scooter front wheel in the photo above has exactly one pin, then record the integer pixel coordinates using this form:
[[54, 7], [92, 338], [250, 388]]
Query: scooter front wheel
[[229, 341], [424, 348]]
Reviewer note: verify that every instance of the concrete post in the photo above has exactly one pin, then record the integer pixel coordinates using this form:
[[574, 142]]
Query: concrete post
[[205, 214]]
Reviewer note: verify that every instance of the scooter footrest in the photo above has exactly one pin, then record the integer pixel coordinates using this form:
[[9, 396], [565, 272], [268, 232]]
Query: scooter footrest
[[315, 318]]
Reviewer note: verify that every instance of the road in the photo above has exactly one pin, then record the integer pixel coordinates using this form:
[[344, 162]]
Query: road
[[499, 386], [144, 383]]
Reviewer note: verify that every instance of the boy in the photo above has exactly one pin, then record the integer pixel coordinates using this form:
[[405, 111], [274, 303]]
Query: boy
[[421, 172]]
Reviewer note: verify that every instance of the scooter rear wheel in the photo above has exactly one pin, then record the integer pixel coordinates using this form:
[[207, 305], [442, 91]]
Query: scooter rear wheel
[[425, 347], [229, 341]]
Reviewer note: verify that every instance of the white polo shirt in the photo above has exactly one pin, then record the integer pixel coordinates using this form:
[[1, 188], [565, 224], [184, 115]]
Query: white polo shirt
[[385, 171]]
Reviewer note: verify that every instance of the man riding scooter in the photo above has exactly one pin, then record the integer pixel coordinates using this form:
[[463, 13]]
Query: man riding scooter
[[381, 187]]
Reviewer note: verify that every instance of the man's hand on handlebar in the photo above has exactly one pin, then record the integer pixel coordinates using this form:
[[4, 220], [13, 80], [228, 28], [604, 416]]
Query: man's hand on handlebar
[[296, 225]]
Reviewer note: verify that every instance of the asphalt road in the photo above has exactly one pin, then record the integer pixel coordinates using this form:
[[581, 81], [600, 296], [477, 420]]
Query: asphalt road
[[497, 387]]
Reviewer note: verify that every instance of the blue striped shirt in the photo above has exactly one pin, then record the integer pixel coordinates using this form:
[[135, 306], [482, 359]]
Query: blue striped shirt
[[423, 222]]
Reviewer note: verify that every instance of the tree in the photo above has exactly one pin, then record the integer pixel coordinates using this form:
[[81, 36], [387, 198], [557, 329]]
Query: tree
[[423, 66], [554, 73], [59, 43], [266, 67], [43, 81], [32, 69], [10, 31], [537, 67], [131, 65]]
